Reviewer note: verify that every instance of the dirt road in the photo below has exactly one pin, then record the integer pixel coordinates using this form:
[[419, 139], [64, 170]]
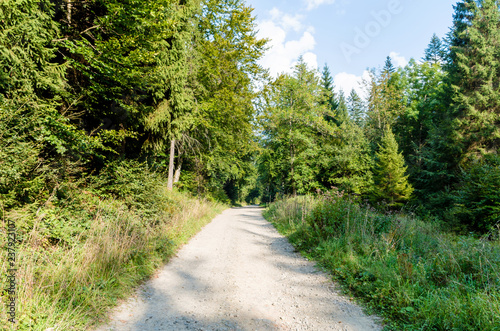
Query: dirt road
[[238, 273]]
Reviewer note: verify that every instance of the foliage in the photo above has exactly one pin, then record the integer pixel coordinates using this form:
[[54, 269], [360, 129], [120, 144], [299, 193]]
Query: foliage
[[435, 52], [347, 161], [356, 109], [91, 243], [410, 272], [294, 125], [475, 77], [391, 183], [478, 196]]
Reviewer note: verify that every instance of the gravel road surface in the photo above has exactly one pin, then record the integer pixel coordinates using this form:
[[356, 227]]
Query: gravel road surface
[[239, 273]]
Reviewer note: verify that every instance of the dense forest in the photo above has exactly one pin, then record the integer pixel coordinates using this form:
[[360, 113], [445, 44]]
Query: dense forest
[[103, 100], [87, 85], [427, 137]]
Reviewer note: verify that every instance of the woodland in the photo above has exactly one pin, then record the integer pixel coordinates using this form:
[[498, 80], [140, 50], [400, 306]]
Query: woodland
[[145, 108]]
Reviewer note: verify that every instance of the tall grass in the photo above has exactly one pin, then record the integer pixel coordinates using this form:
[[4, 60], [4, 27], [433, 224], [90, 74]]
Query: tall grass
[[83, 249], [412, 273]]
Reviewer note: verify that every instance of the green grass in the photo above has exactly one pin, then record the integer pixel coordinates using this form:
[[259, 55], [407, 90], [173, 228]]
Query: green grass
[[410, 272], [88, 246]]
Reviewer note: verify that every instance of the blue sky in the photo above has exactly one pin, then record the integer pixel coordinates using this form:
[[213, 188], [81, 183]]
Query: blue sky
[[349, 35]]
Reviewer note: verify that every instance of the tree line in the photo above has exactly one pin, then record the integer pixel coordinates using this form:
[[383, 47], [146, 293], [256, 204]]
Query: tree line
[[88, 84], [85, 84], [426, 138]]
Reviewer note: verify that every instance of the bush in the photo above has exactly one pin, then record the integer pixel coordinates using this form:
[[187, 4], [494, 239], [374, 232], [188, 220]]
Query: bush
[[91, 242]]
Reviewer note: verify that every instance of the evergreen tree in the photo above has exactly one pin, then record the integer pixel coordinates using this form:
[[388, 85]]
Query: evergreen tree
[[329, 89], [346, 160], [386, 101], [33, 133], [391, 183], [475, 78], [356, 109], [388, 67], [342, 111], [435, 52]]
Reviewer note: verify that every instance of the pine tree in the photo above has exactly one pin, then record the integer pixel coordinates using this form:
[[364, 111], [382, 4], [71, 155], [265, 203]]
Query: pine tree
[[346, 160], [435, 52], [342, 112], [475, 78], [388, 67], [329, 89], [356, 109], [386, 101], [391, 183], [294, 126], [33, 133]]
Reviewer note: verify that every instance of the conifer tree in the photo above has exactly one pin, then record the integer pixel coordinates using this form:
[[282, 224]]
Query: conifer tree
[[388, 67], [435, 52], [342, 111], [475, 78], [329, 89], [356, 108], [391, 183]]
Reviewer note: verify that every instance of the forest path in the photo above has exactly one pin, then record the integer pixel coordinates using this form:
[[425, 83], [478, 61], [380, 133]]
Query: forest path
[[239, 273]]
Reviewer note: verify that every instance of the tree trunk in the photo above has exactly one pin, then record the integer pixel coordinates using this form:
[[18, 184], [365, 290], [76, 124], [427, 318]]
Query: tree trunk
[[68, 11], [177, 174], [170, 182]]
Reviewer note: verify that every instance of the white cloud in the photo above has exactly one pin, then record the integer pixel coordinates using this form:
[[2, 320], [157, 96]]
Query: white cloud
[[311, 60], [398, 60], [311, 4], [283, 54], [348, 82], [286, 21]]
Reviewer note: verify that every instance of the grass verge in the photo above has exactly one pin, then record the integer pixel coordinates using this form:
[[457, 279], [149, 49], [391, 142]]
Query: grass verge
[[410, 272], [83, 249]]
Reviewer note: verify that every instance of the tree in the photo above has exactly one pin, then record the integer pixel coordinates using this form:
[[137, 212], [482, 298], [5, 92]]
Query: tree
[[329, 96], [33, 133], [435, 52], [226, 89], [391, 183], [386, 100], [293, 125], [388, 67], [475, 77], [477, 198], [356, 109], [346, 160]]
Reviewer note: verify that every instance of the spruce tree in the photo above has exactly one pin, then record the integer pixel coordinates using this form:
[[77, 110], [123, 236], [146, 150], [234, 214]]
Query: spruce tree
[[388, 67], [329, 89], [435, 52], [356, 108], [475, 81], [391, 183], [342, 112]]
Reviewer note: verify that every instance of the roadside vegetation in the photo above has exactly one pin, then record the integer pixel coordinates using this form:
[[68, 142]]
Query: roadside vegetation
[[84, 248], [412, 273]]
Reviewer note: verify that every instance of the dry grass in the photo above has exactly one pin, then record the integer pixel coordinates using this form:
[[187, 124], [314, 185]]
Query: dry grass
[[69, 286]]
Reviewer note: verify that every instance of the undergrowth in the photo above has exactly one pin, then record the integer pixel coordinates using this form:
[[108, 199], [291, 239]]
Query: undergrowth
[[412, 273], [90, 243]]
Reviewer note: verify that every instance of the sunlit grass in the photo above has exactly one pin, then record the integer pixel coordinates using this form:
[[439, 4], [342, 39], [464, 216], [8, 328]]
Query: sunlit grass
[[70, 283], [412, 273]]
